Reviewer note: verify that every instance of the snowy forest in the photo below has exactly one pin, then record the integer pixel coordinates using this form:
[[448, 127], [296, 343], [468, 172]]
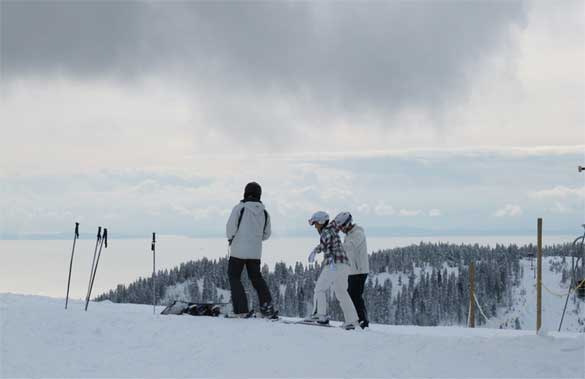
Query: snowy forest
[[425, 284]]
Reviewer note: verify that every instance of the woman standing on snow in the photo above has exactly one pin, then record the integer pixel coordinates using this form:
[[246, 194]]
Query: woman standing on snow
[[247, 227], [334, 273], [356, 248]]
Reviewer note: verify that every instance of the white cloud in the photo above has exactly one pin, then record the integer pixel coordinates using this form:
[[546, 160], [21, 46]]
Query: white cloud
[[434, 212], [364, 208], [561, 208], [510, 210], [559, 192], [383, 209], [409, 213]]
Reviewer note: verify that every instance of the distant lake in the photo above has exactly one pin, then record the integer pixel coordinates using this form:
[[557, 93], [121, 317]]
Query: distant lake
[[40, 267]]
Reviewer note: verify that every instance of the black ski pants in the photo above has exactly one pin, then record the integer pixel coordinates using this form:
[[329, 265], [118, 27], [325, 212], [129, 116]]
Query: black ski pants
[[239, 299], [356, 289]]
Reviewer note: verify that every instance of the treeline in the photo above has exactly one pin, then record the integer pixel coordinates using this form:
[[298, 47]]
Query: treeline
[[424, 284]]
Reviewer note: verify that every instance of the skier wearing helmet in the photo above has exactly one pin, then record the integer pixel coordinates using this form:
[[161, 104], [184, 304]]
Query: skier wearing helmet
[[356, 248], [335, 271]]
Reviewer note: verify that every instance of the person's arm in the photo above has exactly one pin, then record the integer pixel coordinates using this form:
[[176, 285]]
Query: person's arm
[[318, 249], [350, 249], [232, 224], [325, 242], [267, 228], [321, 246], [358, 244]]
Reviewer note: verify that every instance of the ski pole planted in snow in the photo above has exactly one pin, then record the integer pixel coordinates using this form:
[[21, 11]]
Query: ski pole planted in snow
[[75, 237], [153, 248], [104, 243], [97, 243], [539, 275]]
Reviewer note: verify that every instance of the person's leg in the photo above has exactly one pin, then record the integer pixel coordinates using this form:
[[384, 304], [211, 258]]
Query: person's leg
[[324, 282], [258, 282], [239, 299], [361, 305], [313, 314], [340, 289], [353, 290]]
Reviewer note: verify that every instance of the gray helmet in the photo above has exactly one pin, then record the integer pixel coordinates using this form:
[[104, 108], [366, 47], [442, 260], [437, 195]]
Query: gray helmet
[[343, 220], [319, 217]]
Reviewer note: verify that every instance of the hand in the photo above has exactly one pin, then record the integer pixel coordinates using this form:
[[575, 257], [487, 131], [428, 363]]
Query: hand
[[312, 256]]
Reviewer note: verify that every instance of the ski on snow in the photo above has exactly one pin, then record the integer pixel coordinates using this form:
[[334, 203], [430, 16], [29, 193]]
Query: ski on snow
[[304, 322]]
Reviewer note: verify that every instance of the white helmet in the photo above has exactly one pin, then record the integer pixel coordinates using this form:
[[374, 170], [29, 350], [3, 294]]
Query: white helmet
[[343, 220], [319, 217]]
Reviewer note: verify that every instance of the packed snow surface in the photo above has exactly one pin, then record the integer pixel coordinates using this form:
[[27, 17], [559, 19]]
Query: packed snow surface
[[39, 338]]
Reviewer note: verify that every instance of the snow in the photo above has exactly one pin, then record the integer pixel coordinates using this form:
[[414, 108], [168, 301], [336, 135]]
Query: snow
[[41, 339], [553, 302], [418, 272], [179, 291]]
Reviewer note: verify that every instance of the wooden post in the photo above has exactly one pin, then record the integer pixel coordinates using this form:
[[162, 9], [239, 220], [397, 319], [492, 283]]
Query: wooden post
[[539, 278], [471, 295]]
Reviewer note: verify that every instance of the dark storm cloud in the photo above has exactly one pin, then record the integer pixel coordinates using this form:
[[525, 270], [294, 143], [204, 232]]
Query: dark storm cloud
[[380, 55], [80, 38]]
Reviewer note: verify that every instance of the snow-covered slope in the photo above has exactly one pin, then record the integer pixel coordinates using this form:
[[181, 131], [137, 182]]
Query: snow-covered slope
[[553, 301], [38, 338]]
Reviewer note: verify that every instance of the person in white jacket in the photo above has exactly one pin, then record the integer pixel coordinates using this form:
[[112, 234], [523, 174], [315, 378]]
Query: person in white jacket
[[248, 225], [356, 248]]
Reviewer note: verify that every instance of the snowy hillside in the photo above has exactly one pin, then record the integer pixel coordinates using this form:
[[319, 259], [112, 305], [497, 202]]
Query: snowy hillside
[[553, 300], [41, 339], [523, 307]]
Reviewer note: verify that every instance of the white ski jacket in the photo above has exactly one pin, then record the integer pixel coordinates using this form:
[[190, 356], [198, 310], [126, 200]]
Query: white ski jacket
[[356, 248], [254, 227]]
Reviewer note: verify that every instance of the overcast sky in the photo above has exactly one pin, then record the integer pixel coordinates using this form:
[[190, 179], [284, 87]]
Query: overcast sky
[[418, 117]]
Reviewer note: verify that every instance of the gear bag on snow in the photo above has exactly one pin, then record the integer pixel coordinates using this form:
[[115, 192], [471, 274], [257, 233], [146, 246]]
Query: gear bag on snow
[[179, 307]]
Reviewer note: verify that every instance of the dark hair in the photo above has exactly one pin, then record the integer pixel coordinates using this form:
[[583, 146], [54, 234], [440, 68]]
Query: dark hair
[[253, 191]]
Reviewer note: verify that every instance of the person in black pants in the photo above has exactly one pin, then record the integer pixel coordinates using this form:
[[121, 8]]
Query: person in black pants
[[247, 227], [239, 298], [355, 288], [356, 248]]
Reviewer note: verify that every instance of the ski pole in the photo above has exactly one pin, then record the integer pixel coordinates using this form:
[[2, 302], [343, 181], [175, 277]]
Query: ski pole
[[97, 242], [103, 242], [75, 237], [153, 248]]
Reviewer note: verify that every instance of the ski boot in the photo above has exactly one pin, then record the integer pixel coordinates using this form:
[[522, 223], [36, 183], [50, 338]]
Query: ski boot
[[249, 314], [321, 320], [267, 311], [349, 325]]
